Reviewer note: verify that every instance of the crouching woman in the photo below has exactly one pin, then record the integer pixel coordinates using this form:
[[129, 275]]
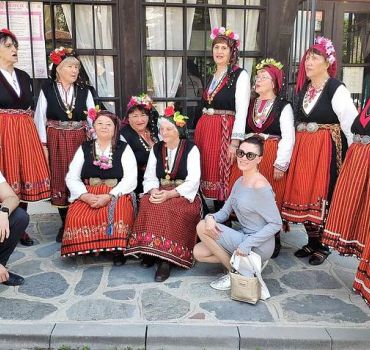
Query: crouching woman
[[253, 202]]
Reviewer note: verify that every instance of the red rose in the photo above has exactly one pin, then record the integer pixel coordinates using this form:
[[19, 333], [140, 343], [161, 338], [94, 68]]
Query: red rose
[[55, 58], [169, 111]]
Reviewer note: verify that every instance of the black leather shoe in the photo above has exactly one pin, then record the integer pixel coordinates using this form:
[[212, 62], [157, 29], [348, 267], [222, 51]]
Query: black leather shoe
[[59, 236], [119, 259], [305, 251], [14, 280], [147, 261], [163, 271], [26, 240]]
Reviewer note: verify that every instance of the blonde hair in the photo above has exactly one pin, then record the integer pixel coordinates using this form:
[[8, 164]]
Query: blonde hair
[[67, 60]]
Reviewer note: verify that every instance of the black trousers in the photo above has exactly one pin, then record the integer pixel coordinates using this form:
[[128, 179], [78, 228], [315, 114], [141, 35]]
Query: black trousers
[[18, 222]]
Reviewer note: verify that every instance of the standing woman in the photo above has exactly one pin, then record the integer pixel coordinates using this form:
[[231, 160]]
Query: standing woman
[[271, 116], [324, 115], [348, 227], [222, 125], [22, 159], [61, 122], [171, 208], [140, 131]]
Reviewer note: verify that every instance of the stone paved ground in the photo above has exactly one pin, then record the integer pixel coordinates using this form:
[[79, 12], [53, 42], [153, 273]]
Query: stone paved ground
[[91, 289]]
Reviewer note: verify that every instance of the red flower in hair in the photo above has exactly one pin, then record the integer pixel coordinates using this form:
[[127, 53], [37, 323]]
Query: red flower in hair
[[55, 58], [169, 111]]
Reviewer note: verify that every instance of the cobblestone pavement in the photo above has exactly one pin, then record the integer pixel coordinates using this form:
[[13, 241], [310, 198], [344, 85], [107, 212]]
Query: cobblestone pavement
[[92, 289]]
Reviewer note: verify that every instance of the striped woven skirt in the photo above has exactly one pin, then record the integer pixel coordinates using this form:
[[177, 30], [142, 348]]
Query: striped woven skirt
[[213, 136], [362, 279], [348, 225], [62, 146], [307, 185], [166, 230], [266, 168], [89, 230], [22, 159]]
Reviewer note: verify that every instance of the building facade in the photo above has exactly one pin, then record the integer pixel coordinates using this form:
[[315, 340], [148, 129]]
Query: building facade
[[163, 46]]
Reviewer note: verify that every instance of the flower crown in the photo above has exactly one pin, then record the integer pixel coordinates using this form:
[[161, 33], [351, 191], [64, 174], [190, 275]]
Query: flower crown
[[175, 118], [92, 113], [329, 48], [142, 100], [222, 31], [269, 62], [59, 54]]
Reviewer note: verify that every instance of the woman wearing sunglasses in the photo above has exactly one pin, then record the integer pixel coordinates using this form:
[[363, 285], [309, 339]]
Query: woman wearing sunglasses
[[271, 116], [253, 202]]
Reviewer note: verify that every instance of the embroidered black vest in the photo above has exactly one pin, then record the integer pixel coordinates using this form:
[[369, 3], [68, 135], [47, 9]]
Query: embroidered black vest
[[322, 112], [91, 170], [183, 150], [133, 139], [357, 127], [9, 98], [272, 124], [225, 98], [54, 110]]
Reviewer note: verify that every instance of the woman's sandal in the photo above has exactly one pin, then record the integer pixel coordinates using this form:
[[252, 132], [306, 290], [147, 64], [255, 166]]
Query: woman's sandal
[[305, 251], [318, 257]]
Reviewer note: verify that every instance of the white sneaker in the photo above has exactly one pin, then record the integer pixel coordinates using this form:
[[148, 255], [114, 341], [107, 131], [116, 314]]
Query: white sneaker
[[222, 283]]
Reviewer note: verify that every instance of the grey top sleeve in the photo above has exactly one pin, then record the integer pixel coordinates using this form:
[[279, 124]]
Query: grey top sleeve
[[223, 214], [264, 206]]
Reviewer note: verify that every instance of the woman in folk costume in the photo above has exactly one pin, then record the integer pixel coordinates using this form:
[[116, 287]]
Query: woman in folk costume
[[140, 131], [101, 177], [347, 229], [222, 125], [271, 116], [61, 122], [22, 159], [171, 208], [324, 115]]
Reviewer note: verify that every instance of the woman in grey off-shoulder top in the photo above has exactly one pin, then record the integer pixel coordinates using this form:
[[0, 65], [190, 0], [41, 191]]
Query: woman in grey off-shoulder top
[[253, 202]]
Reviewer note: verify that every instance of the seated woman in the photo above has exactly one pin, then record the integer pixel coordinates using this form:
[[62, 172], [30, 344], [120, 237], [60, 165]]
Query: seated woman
[[253, 202], [170, 209], [140, 132], [101, 177]]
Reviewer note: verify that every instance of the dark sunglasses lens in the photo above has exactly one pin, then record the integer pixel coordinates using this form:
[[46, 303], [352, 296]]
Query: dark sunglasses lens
[[239, 153], [251, 155]]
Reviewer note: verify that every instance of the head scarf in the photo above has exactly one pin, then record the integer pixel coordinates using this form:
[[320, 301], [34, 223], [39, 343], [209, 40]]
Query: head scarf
[[326, 48]]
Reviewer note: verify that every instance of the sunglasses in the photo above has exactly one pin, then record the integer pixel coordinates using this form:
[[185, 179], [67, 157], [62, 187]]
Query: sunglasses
[[250, 155]]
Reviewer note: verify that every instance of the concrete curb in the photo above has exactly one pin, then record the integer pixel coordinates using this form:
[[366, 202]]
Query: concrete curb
[[98, 336]]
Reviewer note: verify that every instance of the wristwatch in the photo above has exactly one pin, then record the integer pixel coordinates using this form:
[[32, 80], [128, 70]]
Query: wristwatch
[[5, 210]]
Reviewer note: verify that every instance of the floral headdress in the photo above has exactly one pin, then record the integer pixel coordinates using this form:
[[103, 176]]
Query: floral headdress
[[269, 62], [326, 48], [176, 118], [225, 32], [59, 54], [92, 113], [327, 44], [142, 100]]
